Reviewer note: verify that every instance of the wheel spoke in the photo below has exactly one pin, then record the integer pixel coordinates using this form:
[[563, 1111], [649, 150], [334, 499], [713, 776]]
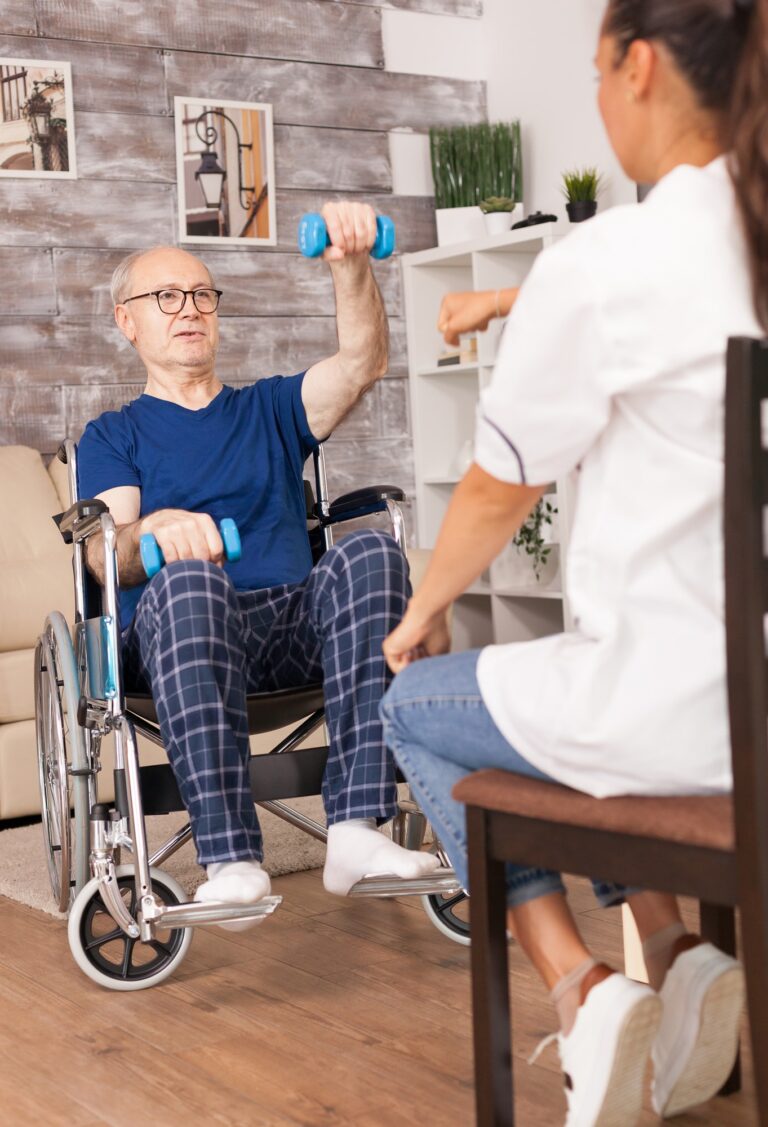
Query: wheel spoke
[[126, 967], [118, 933], [159, 947], [445, 908]]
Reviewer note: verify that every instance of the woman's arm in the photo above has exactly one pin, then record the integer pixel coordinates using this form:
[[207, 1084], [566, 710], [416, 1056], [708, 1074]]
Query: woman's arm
[[483, 516], [466, 312]]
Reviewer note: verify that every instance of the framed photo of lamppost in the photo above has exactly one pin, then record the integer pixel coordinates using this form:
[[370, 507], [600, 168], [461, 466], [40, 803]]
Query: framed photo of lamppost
[[37, 120], [225, 169]]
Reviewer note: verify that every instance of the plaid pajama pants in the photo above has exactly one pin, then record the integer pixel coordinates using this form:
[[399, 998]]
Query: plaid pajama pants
[[200, 646]]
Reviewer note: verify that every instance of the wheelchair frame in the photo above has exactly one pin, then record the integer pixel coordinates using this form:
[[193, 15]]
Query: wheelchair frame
[[80, 694]]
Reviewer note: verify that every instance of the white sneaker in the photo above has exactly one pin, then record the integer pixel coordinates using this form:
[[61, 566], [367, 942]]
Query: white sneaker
[[696, 1046], [605, 1054]]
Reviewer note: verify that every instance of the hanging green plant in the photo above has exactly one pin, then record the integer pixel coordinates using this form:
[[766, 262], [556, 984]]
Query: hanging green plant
[[529, 538], [471, 163]]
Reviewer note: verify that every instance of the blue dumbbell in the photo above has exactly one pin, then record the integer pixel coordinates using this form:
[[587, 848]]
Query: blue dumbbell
[[313, 236], [152, 557]]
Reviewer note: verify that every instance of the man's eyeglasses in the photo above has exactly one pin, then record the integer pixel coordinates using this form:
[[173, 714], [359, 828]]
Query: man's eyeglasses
[[173, 301]]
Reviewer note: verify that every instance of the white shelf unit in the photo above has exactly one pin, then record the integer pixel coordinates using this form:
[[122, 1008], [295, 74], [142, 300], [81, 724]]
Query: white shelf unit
[[507, 603]]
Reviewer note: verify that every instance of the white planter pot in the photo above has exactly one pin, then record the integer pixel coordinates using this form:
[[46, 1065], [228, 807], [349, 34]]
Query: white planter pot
[[497, 222], [459, 225]]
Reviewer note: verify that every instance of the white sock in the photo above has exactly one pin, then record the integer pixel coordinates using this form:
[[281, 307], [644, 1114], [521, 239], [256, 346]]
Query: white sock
[[356, 849], [235, 882]]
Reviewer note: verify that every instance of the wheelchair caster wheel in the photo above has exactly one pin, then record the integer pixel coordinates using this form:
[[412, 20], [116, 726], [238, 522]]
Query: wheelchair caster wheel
[[450, 915], [110, 957]]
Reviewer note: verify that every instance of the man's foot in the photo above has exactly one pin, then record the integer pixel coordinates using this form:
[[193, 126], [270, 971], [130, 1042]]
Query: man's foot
[[697, 1043], [235, 882], [605, 1054], [356, 849]]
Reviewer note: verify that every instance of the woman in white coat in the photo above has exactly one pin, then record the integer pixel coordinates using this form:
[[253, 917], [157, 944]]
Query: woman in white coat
[[612, 367]]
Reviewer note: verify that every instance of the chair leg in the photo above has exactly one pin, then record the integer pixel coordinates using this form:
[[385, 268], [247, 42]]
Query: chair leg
[[718, 926], [490, 978], [754, 938]]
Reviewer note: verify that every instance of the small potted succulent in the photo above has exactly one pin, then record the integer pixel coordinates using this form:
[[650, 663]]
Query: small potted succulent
[[497, 211], [581, 188]]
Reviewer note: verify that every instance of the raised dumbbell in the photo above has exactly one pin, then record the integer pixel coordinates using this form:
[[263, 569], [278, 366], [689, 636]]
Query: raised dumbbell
[[152, 556], [313, 236]]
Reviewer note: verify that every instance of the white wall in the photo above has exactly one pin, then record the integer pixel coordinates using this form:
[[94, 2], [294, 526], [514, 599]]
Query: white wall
[[536, 57]]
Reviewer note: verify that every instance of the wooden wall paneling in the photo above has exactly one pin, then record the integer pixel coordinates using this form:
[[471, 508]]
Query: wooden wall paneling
[[47, 352], [138, 214], [472, 9], [277, 29], [26, 281], [28, 418], [18, 17], [94, 212], [353, 160], [315, 94], [379, 414], [114, 146], [254, 284], [353, 462], [104, 77], [122, 79]]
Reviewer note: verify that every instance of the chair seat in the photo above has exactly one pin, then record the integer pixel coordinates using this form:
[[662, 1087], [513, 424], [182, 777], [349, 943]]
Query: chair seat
[[704, 821], [266, 711]]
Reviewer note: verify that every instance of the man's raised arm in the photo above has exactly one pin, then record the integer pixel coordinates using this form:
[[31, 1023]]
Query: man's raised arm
[[332, 387]]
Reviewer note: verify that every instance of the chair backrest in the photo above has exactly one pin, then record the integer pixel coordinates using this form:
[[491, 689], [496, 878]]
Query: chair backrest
[[746, 598]]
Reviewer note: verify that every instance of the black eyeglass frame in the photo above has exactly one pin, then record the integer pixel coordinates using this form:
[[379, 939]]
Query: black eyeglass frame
[[167, 289]]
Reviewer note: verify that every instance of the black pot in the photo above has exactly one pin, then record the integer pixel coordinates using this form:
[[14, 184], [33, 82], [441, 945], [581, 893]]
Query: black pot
[[581, 210]]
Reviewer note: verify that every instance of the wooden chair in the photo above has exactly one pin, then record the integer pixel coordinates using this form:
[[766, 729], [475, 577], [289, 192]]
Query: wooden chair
[[711, 848]]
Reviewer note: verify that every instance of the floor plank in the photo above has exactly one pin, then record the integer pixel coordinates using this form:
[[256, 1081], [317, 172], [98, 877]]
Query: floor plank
[[333, 1013]]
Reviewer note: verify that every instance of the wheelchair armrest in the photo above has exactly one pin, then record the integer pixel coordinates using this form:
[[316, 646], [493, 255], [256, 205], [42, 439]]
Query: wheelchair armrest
[[362, 502], [81, 511]]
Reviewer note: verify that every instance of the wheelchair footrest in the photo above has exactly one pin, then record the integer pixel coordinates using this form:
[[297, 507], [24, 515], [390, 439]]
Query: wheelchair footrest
[[441, 883], [198, 913]]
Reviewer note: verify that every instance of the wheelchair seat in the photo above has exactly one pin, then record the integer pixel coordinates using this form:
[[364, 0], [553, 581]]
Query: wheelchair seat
[[266, 711]]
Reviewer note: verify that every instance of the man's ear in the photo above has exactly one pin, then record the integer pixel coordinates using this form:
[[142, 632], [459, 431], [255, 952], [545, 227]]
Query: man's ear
[[125, 323]]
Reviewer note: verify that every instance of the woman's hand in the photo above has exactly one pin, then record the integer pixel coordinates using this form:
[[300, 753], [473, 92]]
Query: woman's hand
[[469, 311], [416, 637]]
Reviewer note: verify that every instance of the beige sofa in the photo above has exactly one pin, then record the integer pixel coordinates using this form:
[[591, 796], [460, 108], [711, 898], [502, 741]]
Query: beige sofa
[[36, 578]]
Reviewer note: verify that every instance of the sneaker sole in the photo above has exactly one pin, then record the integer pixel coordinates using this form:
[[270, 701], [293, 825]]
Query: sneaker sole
[[623, 1101], [716, 1047]]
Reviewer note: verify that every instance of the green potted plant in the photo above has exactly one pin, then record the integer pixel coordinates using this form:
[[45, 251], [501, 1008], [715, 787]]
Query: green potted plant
[[472, 163], [497, 212], [534, 538], [581, 188]]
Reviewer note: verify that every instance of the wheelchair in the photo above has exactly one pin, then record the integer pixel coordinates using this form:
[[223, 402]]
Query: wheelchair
[[130, 925]]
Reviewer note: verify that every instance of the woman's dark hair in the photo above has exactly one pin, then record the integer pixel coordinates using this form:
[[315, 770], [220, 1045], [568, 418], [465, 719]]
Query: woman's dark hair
[[721, 48]]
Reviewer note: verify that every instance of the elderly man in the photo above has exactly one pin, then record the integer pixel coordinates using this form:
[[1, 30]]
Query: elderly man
[[190, 451]]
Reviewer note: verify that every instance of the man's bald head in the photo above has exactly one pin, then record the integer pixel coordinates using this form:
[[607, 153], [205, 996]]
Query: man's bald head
[[122, 277]]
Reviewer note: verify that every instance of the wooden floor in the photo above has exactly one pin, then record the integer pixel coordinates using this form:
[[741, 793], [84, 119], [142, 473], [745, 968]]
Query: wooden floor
[[333, 1012]]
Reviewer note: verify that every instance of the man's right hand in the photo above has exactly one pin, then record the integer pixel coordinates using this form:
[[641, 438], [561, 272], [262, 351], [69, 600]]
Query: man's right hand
[[184, 536]]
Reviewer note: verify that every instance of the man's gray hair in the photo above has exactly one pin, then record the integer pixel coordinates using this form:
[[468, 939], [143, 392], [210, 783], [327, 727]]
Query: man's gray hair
[[120, 285]]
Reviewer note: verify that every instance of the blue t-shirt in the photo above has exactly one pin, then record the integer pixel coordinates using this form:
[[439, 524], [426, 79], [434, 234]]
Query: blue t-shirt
[[242, 456]]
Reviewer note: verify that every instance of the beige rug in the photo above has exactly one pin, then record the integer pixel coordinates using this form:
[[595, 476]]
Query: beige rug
[[24, 875]]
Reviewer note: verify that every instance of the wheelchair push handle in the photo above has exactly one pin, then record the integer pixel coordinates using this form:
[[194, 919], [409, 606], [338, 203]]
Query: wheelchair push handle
[[152, 556], [314, 238]]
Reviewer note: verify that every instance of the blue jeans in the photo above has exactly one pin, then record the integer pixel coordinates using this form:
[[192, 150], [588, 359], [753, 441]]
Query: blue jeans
[[439, 731]]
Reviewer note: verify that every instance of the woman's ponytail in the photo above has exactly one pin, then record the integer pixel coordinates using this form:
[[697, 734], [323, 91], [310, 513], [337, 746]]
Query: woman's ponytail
[[749, 150]]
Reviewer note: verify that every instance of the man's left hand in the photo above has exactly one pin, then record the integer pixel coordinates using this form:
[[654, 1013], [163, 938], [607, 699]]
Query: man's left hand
[[351, 228]]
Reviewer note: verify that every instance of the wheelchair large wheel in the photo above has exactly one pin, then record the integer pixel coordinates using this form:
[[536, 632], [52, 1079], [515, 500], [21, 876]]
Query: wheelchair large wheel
[[450, 915], [110, 957], [60, 751]]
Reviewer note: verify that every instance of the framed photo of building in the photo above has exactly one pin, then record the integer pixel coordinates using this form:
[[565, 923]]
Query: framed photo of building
[[37, 120], [225, 169]]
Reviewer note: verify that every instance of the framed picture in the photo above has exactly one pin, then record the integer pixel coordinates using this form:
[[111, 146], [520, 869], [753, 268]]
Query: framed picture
[[225, 169], [37, 121]]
